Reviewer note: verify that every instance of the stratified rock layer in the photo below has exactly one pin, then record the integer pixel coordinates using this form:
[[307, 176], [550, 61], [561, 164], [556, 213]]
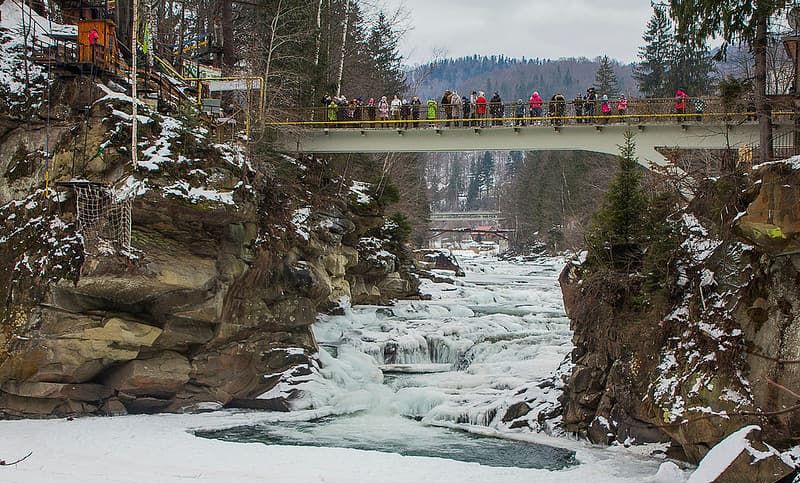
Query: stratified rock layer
[[219, 293]]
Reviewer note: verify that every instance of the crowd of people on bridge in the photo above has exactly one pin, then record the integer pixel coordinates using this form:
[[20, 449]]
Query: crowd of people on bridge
[[479, 110]]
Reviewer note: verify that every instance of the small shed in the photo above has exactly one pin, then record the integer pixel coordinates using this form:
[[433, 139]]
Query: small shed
[[103, 54]]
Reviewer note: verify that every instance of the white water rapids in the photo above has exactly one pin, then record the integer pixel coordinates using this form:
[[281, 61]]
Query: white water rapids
[[390, 375]]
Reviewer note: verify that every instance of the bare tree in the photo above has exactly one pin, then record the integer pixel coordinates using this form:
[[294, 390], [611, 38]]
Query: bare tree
[[344, 47]]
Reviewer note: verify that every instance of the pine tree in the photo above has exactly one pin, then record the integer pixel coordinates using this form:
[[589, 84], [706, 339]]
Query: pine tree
[[382, 47], [605, 81], [474, 188], [619, 225], [691, 70], [487, 172], [653, 71]]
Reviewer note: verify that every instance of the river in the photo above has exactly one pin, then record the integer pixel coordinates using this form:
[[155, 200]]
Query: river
[[434, 377]]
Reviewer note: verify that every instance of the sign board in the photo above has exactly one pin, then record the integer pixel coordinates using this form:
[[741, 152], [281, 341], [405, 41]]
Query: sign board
[[193, 69], [234, 85]]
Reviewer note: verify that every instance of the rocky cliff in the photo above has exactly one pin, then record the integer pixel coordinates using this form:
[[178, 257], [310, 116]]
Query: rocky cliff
[[715, 346], [188, 282]]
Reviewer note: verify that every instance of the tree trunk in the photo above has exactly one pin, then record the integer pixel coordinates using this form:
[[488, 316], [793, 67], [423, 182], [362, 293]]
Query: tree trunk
[[228, 50], [762, 104], [319, 34], [181, 36], [344, 47], [271, 50]]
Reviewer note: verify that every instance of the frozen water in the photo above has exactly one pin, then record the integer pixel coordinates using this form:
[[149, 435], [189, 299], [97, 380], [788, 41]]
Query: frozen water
[[498, 329]]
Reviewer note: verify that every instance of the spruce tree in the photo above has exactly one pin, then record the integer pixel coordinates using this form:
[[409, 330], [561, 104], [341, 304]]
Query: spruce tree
[[618, 227], [653, 71], [382, 47], [691, 70], [605, 81]]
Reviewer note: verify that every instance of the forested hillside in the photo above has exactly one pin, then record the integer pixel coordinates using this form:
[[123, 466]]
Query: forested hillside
[[548, 196], [513, 78]]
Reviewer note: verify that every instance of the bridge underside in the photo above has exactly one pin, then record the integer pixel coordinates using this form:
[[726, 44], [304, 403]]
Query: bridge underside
[[650, 139]]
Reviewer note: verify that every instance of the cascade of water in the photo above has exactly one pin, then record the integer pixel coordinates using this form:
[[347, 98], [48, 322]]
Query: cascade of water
[[459, 358]]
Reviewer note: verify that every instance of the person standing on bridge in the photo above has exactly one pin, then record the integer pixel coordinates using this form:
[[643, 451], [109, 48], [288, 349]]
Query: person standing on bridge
[[444, 104], [395, 108], [455, 106], [473, 103], [591, 104], [681, 98], [561, 108], [578, 103], [432, 112], [605, 107], [536, 102], [480, 106], [466, 106], [371, 111], [405, 113], [496, 109], [383, 111], [333, 113], [415, 108], [622, 107], [519, 113]]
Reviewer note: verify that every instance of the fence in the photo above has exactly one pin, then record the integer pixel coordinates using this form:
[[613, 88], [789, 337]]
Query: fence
[[352, 115]]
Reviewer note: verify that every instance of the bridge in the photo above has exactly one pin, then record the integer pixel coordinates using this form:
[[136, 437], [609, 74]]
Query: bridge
[[466, 216], [658, 130]]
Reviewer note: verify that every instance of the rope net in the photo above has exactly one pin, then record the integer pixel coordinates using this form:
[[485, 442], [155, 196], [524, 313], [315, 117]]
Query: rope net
[[104, 219]]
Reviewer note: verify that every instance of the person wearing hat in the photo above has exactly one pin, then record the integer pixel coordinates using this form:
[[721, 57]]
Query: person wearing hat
[[622, 107], [591, 103], [536, 102], [605, 107]]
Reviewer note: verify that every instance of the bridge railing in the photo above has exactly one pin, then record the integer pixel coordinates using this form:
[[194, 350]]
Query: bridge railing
[[638, 111]]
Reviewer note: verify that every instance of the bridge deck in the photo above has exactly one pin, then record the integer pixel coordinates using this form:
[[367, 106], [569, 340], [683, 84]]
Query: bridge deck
[[656, 126]]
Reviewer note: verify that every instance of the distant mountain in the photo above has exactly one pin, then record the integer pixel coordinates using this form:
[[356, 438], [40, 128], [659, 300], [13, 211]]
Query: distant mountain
[[512, 78]]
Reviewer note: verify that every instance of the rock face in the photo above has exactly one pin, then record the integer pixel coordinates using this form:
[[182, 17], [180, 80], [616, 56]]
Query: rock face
[[231, 260], [716, 347]]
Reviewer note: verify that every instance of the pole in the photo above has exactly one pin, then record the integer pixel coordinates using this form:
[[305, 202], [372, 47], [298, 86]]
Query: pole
[[134, 94]]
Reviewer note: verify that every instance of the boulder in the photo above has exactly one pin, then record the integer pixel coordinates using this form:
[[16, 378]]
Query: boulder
[[772, 220], [741, 458], [161, 376]]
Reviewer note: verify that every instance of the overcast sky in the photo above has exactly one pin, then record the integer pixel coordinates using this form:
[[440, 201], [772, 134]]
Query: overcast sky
[[530, 28]]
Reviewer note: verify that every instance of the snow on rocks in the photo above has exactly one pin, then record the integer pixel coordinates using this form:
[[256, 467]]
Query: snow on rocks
[[360, 190], [739, 457], [300, 222]]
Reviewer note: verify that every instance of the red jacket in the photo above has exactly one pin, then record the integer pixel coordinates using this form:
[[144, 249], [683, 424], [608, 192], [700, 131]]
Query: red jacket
[[680, 99], [481, 105], [93, 37]]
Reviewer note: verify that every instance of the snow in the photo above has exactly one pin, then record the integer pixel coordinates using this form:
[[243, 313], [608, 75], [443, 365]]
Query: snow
[[162, 448], [725, 452], [360, 190], [793, 163], [182, 189], [300, 222], [12, 53]]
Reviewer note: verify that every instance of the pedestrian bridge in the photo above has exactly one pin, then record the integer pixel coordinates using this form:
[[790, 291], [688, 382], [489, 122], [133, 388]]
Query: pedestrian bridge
[[657, 131]]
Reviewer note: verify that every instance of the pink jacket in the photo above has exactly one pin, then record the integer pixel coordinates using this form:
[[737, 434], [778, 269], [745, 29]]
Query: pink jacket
[[622, 104], [536, 100]]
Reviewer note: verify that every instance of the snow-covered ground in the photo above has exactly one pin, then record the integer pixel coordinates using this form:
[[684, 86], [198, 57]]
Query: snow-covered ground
[[456, 361]]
